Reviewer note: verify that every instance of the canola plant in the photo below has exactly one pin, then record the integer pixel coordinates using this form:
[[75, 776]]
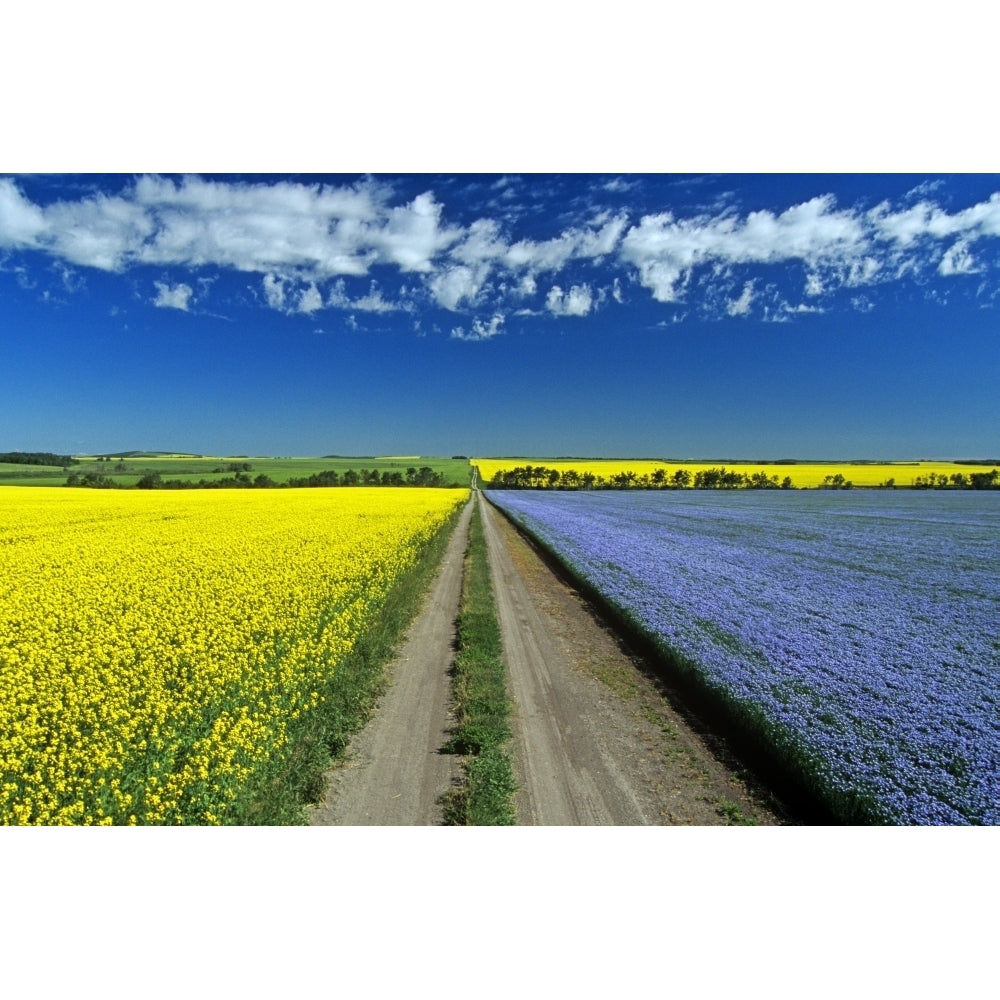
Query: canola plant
[[157, 648]]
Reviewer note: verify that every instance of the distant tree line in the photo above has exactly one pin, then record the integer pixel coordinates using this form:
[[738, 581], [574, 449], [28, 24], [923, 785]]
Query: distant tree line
[[539, 477], [959, 481], [838, 482], [424, 476], [37, 458]]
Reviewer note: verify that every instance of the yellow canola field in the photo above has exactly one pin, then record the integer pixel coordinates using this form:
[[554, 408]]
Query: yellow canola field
[[157, 648], [804, 475]]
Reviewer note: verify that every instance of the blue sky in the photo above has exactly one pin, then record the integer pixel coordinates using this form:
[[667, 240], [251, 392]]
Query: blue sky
[[662, 315]]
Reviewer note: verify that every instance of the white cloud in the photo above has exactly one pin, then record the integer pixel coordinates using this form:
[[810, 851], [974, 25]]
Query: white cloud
[[925, 219], [22, 224], [814, 284], [741, 306], [958, 260], [309, 243], [412, 236], [309, 300], [665, 250], [480, 330], [311, 231], [274, 291], [458, 284], [553, 254], [176, 297], [576, 302], [863, 271], [372, 302], [482, 242]]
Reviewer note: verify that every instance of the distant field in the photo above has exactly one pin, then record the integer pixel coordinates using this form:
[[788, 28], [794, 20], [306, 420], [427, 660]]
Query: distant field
[[802, 474], [13, 474], [129, 470]]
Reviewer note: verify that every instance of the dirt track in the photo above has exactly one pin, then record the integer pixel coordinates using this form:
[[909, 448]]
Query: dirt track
[[595, 742], [394, 773]]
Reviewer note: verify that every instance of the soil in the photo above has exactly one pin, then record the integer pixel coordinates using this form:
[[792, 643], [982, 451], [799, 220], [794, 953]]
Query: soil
[[598, 739]]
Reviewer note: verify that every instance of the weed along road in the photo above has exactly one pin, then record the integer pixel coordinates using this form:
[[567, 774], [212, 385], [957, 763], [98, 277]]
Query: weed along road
[[394, 773]]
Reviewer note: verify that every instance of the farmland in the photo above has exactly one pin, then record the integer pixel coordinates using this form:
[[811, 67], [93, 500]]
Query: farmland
[[163, 653], [803, 474], [854, 634], [127, 469]]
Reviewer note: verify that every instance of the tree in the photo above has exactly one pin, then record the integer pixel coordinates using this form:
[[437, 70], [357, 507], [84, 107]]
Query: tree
[[984, 480]]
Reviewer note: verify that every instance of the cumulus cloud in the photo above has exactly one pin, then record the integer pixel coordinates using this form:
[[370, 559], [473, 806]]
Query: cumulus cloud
[[814, 284], [457, 285], [22, 224], [176, 297], [480, 330], [309, 300], [313, 231], [412, 235], [372, 302], [665, 250], [553, 254], [321, 245], [741, 306], [927, 220], [576, 302], [957, 260], [274, 291]]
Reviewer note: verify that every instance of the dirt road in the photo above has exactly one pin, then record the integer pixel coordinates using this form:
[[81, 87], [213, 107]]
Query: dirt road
[[394, 774], [595, 742]]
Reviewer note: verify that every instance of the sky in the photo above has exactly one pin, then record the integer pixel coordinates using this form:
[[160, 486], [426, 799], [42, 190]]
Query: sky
[[755, 316], [719, 234]]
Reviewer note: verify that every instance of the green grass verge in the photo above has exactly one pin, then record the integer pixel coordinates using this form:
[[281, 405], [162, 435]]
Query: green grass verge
[[279, 797], [481, 704]]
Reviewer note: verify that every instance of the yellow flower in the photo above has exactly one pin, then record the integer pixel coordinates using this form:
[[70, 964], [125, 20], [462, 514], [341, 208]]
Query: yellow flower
[[155, 645]]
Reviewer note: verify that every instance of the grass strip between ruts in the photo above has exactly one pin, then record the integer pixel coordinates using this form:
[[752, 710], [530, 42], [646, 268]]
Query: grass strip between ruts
[[480, 697]]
